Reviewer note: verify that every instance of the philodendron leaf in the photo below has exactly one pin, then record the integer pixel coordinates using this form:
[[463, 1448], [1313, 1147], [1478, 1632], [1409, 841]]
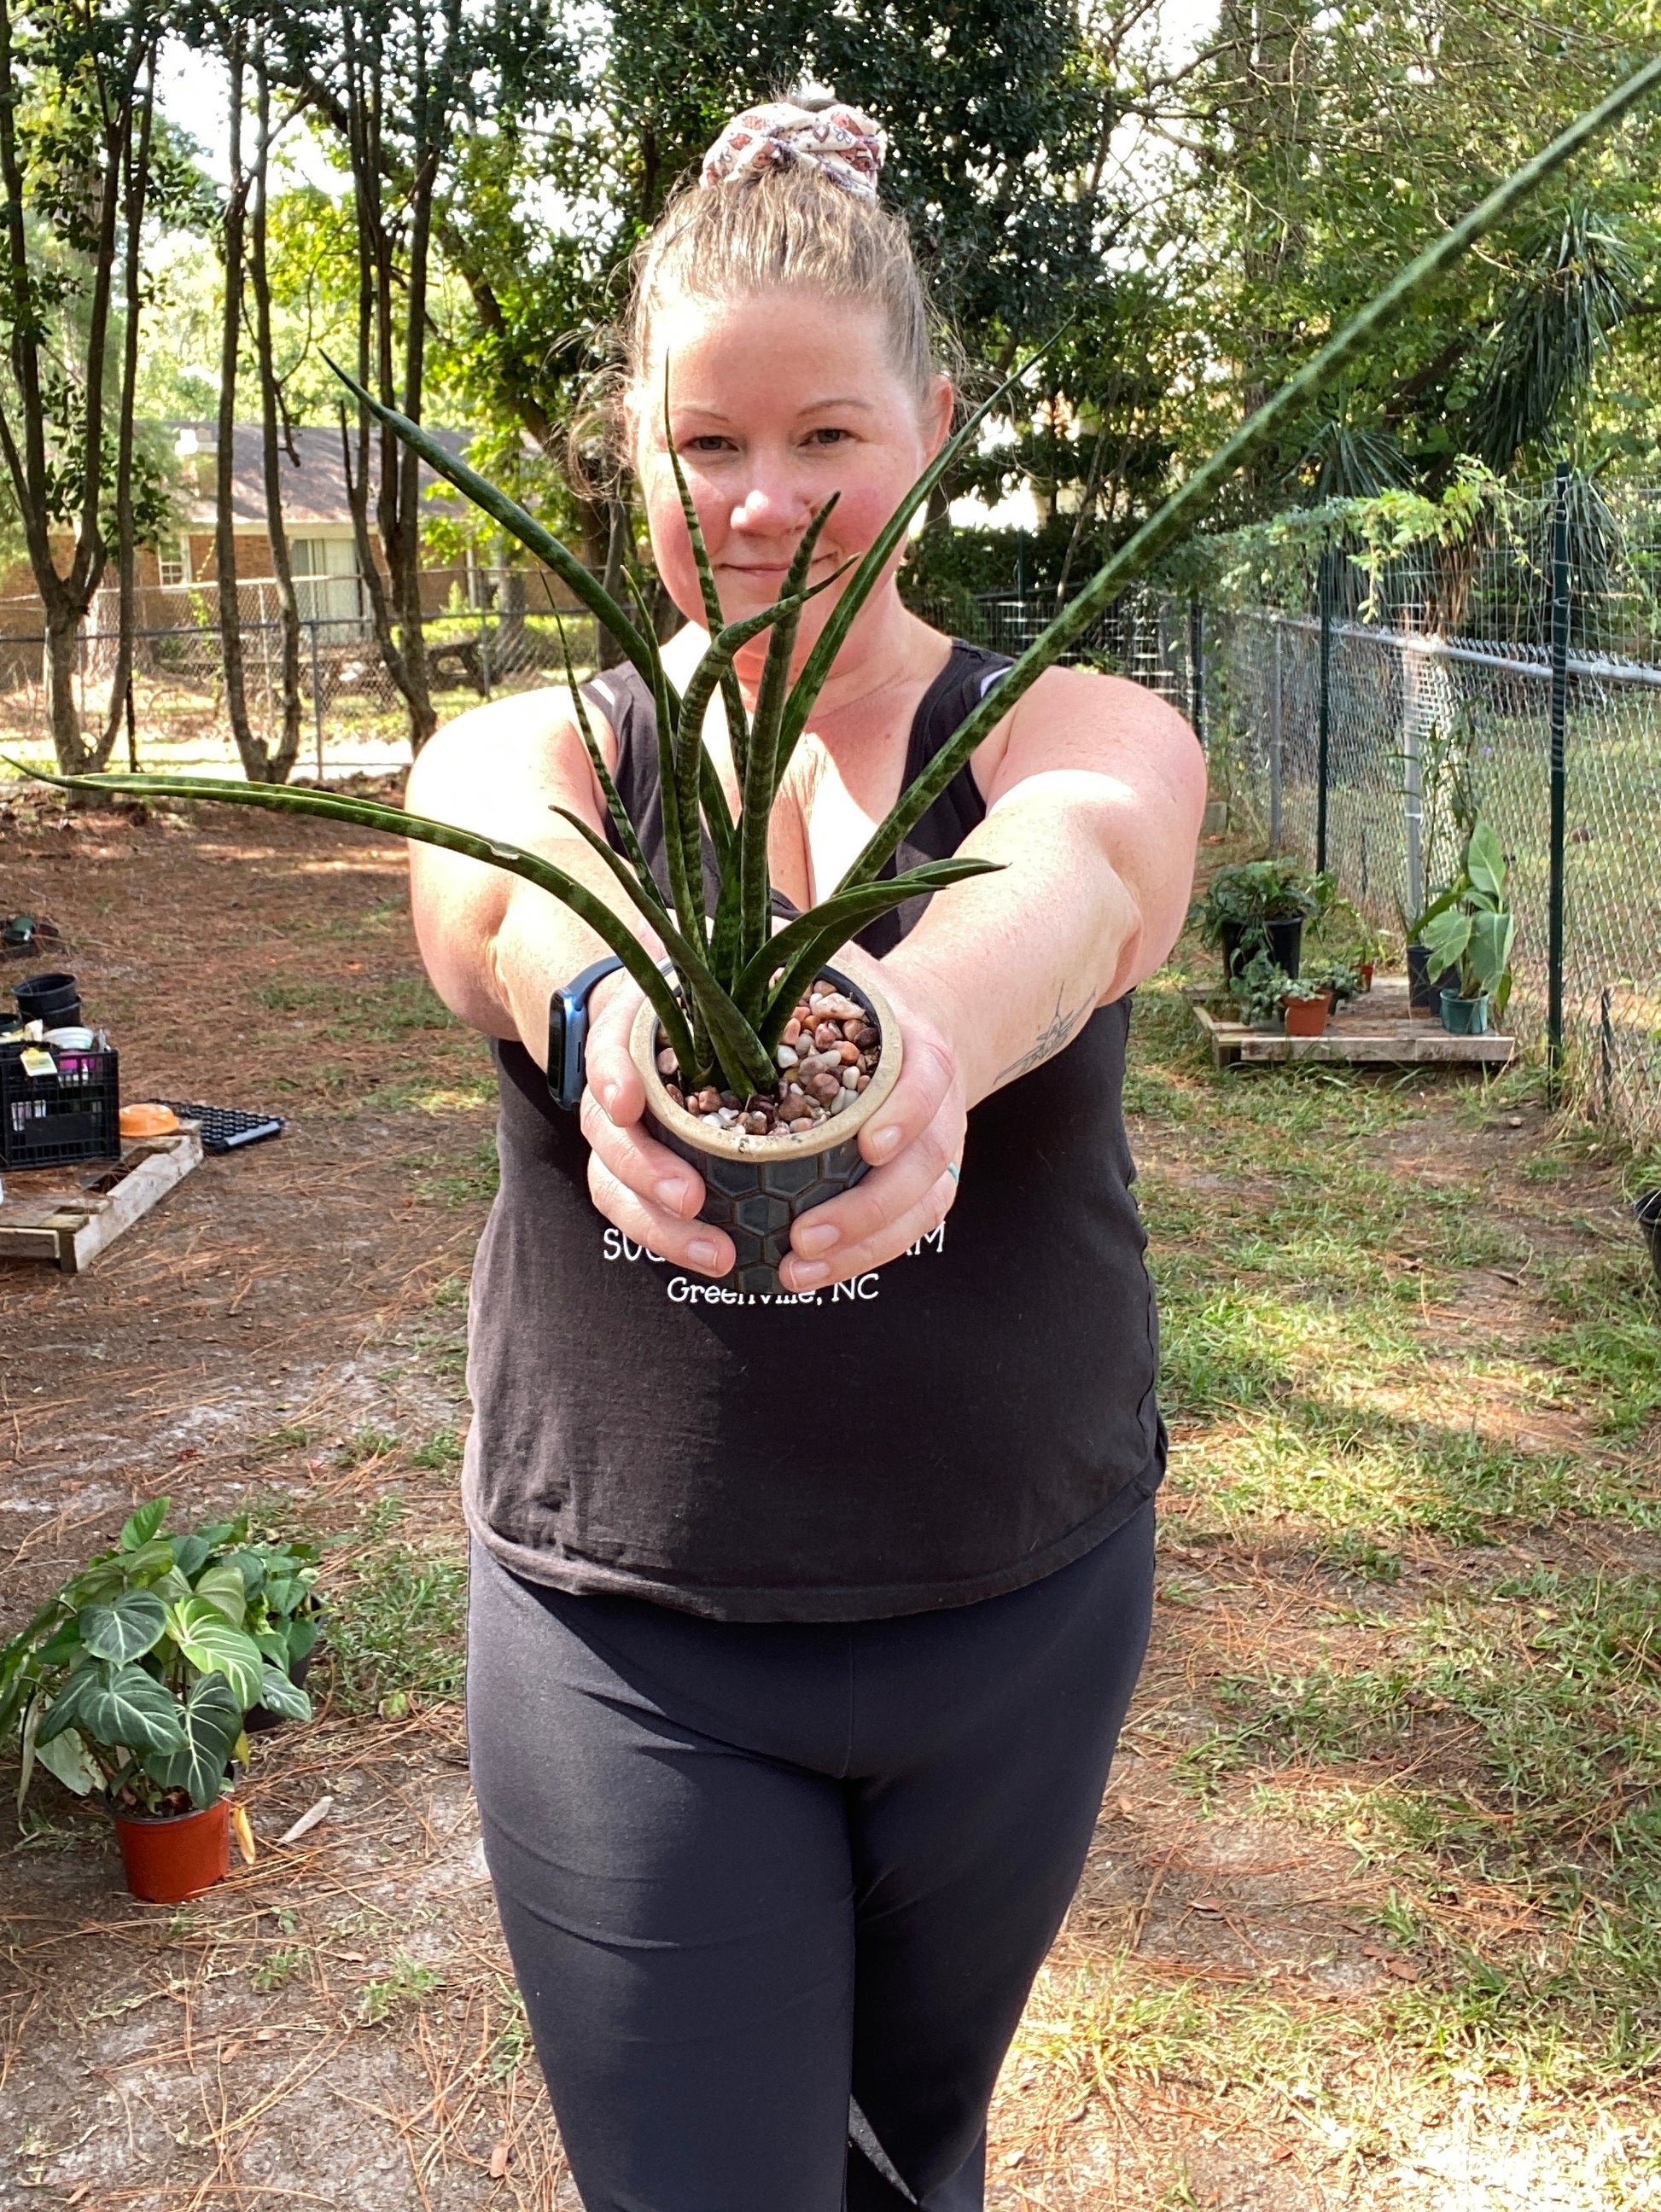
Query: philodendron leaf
[[66, 1757], [222, 1587], [190, 1552], [214, 1647], [128, 1706], [64, 1710], [142, 1525], [210, 1722], [133, 1623], [303, 1632], [280, 1695]]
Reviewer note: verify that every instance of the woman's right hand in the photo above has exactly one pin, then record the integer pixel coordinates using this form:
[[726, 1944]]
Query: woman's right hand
[[644, 1189]]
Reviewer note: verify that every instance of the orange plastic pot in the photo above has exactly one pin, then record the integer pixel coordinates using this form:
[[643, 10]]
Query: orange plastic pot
[[1307, 1017], [169, 1857]]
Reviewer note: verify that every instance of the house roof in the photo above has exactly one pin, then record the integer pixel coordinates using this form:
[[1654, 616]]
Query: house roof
[[313, 489]]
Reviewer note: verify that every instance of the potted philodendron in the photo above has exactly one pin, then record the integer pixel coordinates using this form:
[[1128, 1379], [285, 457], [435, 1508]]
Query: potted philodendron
[[721, 1002], [133, 1684], [1472, 939], [1261, 906], [1258, 989], [1306, 1005]]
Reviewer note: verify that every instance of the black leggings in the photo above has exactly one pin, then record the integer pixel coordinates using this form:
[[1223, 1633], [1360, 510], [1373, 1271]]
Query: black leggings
[[775, 1893]]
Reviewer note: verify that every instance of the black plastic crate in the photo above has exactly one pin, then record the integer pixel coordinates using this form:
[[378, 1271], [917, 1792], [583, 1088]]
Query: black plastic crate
[[46, 1120]]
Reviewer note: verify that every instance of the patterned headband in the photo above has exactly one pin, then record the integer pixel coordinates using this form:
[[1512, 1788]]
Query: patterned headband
[[847, 146]]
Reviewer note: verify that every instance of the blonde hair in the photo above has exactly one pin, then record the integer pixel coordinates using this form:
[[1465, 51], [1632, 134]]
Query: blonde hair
[[772, 229]]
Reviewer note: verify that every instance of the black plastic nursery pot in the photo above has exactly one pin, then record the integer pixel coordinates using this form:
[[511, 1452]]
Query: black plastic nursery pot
[[53, 999], [1646, 1207], [258, 1718], [1424, 990], [754, 1188], [1464, 1016], [1286, 944]]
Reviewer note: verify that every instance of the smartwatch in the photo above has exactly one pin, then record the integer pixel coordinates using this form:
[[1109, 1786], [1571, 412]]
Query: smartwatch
[[568, 1034]]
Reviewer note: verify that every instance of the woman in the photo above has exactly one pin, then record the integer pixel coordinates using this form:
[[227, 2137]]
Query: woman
[[801, 1634]]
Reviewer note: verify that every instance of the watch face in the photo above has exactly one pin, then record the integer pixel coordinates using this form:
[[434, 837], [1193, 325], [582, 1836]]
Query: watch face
[[557, 1047]]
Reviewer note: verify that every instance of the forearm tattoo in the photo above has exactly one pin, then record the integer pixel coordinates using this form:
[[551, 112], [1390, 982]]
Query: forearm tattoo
[[1055, 1033]]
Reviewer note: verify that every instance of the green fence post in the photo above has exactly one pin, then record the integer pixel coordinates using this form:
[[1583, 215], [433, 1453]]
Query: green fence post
[[1324, 760], [1196, 665], [1560, 723]]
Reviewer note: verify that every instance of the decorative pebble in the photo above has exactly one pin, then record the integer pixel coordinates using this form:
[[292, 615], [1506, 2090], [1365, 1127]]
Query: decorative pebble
[[800, 1126], [850, 1076], [863, 1083], [786, 1055], [667, 1064], [848, 1054], [824, 1087]]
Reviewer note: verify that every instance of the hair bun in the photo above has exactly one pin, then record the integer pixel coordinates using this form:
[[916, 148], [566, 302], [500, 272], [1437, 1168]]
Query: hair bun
[[845, 144]]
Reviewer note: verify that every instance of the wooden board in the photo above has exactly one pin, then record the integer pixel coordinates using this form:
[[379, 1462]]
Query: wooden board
[[67, 1215], [1377, 1029]]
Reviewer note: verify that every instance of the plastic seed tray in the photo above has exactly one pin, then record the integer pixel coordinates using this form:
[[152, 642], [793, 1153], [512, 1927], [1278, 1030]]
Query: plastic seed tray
[[226, 1127]]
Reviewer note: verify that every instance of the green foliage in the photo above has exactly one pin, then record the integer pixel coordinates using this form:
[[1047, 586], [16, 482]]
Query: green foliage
[[135, 1678], [1473, 929]]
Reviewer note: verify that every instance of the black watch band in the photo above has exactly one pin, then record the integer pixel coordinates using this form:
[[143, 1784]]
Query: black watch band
[[568, 1034]]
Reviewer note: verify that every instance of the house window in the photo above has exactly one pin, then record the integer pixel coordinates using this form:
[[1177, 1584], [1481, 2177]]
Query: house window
[[173, 561], [327, 579]]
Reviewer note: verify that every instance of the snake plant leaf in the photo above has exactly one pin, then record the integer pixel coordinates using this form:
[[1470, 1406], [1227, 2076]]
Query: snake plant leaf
[[614, 807], [514, 519], [394, 821], [123, 1706], [210, 1721], [810, 682], [214, 1647], [1184, 506], [682, 846], [281, 1695], [737, 722], [813, 936], [131, 1624], [760, 776]]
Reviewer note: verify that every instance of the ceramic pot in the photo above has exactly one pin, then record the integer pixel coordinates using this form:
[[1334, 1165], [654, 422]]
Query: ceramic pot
[[168, 1856], [1286, 944], [1307, 1017], [1424, 989], [1465, 1017], [756, 1187]]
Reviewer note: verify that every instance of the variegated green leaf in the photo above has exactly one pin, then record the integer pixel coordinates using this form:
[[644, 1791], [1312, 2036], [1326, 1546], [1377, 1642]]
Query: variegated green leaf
[[129, 1706], [141, 1525], [222, 1587], [278, 1694], [66, 1757], [214, 1647], [210, 1722], [128, 1627]]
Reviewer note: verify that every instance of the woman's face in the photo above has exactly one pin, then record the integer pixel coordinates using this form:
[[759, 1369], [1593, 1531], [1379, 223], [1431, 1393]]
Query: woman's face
[[775, 401]]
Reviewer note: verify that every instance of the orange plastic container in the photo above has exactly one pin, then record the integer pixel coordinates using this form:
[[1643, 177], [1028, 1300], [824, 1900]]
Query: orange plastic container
[[1308, 1017], [169, 1857]]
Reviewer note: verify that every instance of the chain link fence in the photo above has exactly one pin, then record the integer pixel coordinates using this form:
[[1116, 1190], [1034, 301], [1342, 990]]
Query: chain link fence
[[353, 715], [1358, 715]]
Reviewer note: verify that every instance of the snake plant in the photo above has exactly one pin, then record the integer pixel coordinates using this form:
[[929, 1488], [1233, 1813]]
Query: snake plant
[[735, 980]]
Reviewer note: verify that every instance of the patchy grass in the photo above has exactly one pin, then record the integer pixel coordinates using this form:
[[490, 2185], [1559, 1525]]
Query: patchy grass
[[396, 1637], [1375, 1920]]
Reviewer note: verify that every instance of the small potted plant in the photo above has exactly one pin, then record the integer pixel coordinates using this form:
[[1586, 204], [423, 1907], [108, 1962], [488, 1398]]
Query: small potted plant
[[1258, 989], [1307, 1003], [133, 1683], [1471, 939], [1261, 906]]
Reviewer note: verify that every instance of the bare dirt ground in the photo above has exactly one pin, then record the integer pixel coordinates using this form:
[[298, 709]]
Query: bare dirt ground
[[1251, 2003]]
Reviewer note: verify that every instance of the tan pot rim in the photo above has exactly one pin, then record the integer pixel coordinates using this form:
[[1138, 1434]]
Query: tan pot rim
[[738, 1145]]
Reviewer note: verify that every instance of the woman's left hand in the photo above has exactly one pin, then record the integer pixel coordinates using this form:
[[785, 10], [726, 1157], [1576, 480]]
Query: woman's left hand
[[914, 1143]]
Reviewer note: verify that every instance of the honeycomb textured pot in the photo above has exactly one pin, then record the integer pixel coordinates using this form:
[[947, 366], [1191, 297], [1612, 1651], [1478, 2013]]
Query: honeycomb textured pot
[[756, 1187]]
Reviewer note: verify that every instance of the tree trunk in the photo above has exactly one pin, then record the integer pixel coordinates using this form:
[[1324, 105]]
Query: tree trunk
[[281, 765], [256, 765], [75, 756], [137, 181]]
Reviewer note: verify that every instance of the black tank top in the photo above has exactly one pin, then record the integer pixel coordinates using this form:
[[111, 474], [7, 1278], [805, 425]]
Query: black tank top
[[971, 1418]]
